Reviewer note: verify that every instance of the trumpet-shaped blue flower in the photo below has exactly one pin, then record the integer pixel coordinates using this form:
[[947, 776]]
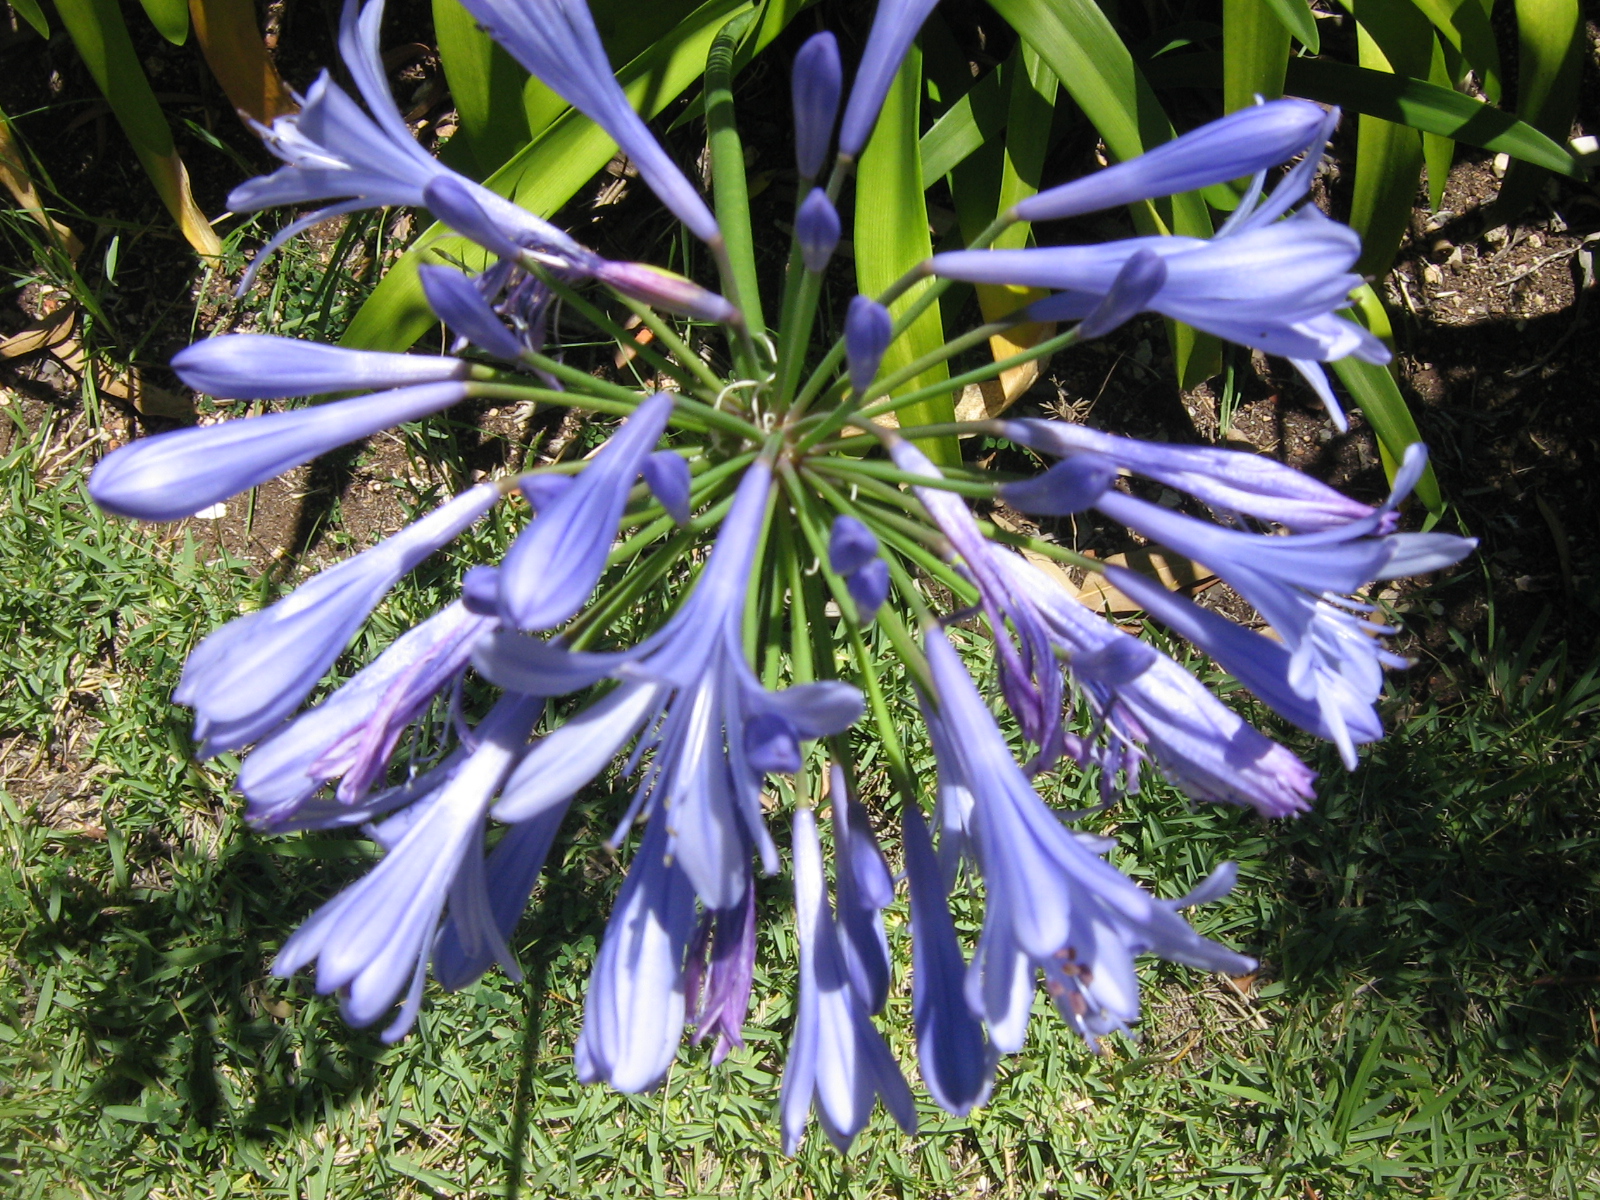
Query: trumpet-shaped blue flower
[[351, 734], [1241, 143], [371, 942], [634, 1008], [459, 302], [955, 1058], [894, 26], [253, 672], [558, 42], [863, 888], [555, 562], [815, 87], [177, 474], [1051, 903], [690, 686], [335, 151], [837, 1060]]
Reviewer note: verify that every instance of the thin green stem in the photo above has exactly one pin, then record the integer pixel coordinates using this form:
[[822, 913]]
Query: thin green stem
[[730, 190], [1022, 541], [892, 474], [974, 337], [674, 344]]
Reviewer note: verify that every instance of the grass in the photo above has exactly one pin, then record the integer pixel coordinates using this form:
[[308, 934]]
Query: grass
[[1424, 1023]]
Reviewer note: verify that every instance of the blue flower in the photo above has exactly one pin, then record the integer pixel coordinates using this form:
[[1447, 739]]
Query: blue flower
[[335, 151], [816, 226], [253, 672], [814, 89], [371, 942], [719, 988], [836, 1059], [1051, 903], [177, 474], [253, 366], [867, 330], [864, 888], [557, 41], [894, 25], [351, 734], [634, 1008]]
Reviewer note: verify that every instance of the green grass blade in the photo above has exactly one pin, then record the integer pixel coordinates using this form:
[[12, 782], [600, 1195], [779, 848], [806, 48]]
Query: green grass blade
[[891, 236], [1078, 42], [486, 84], [1464, 26], [170, 17], [1550, 53], [543, 175], [1255, 52], [30, 12], [98, 32], [730, 188]]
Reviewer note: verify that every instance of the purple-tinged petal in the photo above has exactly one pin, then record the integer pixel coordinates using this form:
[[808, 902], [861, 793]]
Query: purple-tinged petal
[[816, 226], [851, 545], [177, 474], [480, 591], [894, 25], [955, 1058], [457, 302], [353, 732], [667, 475], [1131, 292], [253, 366], [452, 200], [663, 289], [725, 1001], [556, 561], [1237, 145], [541, 491], [867, 330], [250, 674], [815, 89], [771, 744], [634, 1009], [864, 889], [1070, 486]]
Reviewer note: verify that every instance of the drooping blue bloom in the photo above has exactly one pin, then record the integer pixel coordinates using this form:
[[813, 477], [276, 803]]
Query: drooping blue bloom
[[371, 942], [254, 671], [1229, 481], [1051, 903], [837, 1060], [1239, 144], [719, 988], [554, 564], [863, 888], [703, 708], [894, 25], [816, 226], [351, 734], [818, 79], [634, 1008], [558, 42], [460, 304], [869, 588], [254, 366], [335, 151], [667, 475], [954, 1057], [1029, 676], [1146, 701], [867, 329], [1132, 290], [177, 474]]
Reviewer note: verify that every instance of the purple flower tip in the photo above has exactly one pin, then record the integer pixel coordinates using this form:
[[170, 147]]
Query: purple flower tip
[[818, 79], [1070, 486], [456, 301], [667, 475], [867, 330], [851, 545], [817, 227], [772, 744], [869, 588], [1141, 277]]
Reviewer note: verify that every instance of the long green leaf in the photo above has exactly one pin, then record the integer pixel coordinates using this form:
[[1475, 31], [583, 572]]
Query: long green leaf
[[1550, 46], [170, 17], [1438, 152], [98, 32], [1464, 25], [486, 84], [1080, 45], [891, 236], [974, 119], [543, 175], [1255, 51], [1296, 17], [30, 12]]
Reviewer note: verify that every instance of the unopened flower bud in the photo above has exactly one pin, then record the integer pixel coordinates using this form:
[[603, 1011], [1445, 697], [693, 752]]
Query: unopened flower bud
[[817, 227]]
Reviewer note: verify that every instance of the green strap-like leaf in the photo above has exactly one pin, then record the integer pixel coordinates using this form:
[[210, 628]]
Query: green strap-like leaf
[[974, 119], [1465, 27], [486, 84], [1255, 50], [170, 17], [1388, 155], [891, 236], [1550, 53], [1438, 151], [1297, 18], [30, 12], [730, 188], [543, 175], [1078, 42]]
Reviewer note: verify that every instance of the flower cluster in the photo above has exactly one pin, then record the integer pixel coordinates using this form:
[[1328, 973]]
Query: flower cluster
[[771, 531]]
